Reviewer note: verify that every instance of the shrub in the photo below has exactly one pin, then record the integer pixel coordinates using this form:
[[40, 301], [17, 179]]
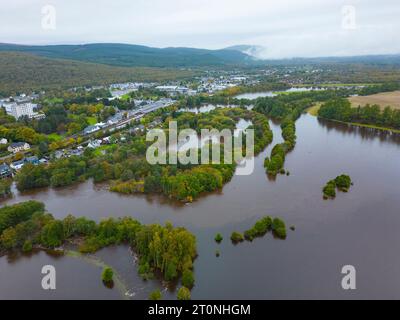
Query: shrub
[[10, 216], [188, 279], [27, 247], [343, 183], [155, 295], [107, 275], [183, 294], [249, 235], [52, 234], [279, 228], [330, 190], [218, 238], [259, 230], [237, 237]]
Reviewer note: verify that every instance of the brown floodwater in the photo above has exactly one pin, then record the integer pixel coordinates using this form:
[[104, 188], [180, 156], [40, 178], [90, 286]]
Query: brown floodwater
[[359, 228]]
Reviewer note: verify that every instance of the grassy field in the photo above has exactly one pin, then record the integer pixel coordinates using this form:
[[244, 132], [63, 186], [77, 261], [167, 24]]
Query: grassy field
[[99, 151], [91, 120], [125, 97], [385, 99], [314, 109], [54, 137]]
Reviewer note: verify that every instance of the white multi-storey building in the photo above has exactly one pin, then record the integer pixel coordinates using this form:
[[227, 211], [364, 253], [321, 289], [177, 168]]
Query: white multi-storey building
[[24, 109]]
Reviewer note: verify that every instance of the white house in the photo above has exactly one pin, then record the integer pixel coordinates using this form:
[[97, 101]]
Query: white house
[[17, 165], [101, 125], [106, 140], [94, 144], [18, 147], [3, 141], [91, 129]]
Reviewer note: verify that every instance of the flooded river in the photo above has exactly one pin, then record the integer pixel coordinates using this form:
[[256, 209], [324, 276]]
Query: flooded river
[[359, 228]]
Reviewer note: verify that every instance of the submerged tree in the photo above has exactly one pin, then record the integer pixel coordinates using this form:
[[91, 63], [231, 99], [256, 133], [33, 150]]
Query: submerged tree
[[155, 295], [184, 294], [342, 183], [107, 276]]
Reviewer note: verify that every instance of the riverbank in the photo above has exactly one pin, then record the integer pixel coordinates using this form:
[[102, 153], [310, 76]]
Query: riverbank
[[362, 125], [333, 85], [313, 111]]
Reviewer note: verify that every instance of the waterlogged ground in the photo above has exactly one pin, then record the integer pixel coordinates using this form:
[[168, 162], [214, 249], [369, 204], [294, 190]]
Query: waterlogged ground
[[359, 228]]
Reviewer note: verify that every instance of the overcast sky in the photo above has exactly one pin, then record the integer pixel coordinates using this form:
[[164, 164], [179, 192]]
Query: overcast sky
[[286, 28]]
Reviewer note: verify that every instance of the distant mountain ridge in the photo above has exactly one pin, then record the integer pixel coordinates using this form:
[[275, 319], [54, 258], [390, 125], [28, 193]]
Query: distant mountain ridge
[[128, 55], [25, 72], [135, 55]]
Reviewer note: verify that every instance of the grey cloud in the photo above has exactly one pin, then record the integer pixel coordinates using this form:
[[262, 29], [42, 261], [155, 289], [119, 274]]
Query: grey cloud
[[286, 28]]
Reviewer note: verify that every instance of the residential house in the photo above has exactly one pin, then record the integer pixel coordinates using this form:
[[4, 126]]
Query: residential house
[[123, 126], [59, 154], [3, 141], [94, 144], [101, 125], [91, 129], [5, 171], [115, 119], [17, 165], [18, 147], [106, 140], [138, 129], [75, 152], [155, 123], [32, 160]]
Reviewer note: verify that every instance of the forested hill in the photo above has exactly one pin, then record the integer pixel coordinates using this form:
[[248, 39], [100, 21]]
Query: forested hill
[[134, 55], [21, 72]]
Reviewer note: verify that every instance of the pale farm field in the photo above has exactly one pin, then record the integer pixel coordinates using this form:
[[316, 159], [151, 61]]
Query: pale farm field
[[385, 99]]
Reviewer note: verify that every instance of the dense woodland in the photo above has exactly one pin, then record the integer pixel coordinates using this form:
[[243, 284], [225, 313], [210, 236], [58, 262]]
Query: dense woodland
[[22, 72], [170, 250], [187, 182], [124, 165], [341, 110], [127, 55]]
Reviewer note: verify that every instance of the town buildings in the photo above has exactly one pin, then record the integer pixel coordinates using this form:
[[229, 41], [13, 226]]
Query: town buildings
[[18, 147], [22, 106], [5, 171]]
